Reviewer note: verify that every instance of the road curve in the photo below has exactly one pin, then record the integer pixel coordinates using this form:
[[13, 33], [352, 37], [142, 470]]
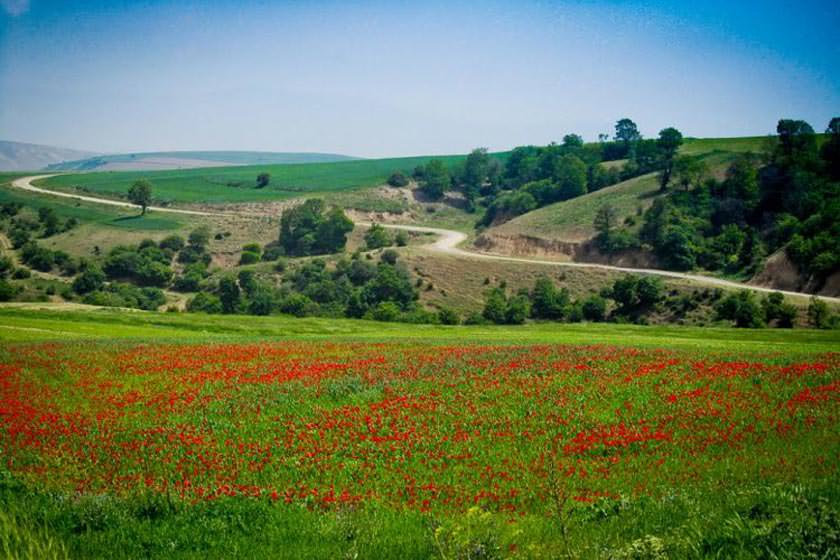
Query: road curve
[[447, 243], [25, 183]]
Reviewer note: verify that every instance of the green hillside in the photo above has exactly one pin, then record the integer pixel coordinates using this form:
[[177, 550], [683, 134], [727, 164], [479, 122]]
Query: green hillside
[[237, 184], [231, 157], [571, 220]]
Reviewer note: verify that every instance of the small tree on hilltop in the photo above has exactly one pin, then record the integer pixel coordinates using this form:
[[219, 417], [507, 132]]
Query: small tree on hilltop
[[263, 179], [140, 194], [670, 140]]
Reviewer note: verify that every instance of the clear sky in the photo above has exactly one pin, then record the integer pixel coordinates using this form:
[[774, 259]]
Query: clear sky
[[398, 78]]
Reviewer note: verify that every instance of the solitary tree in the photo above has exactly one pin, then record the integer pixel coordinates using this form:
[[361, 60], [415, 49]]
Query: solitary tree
[[436, 179], [263, 179], [140, 194], [627, 132], [670, 140]]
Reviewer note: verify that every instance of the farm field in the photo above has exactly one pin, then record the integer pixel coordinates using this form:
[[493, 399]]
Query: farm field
[[163, 435]]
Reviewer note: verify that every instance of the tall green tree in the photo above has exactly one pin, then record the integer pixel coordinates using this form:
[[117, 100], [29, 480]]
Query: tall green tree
[[140, 194], [436, 179], [476, 168], [669, 142]]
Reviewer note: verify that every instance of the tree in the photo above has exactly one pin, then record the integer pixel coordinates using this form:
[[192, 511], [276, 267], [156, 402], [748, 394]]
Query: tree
[[376, 237], [690, 171], [90, 280], [605, 222], [199, 237], [741, 308], [517, 310], [572, 141], [594, 308], [831, 149], [306, 230], [204, 303], [570, 176], [819, 316], [669, 142], [229, 295], [263, 179], [546, 301], [495, 307], [435, 180], [627, 133], [140, 194], [476, 168], [795, 136]]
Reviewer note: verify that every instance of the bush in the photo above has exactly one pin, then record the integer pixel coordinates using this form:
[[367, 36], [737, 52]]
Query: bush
[[298, 305], [819, 315], [173, 242], [389, 256], [205, 303], [741, 308], [398, 179], [7, 291], [401, 239], [248, 257], [386, 311], [376, 237], [448, 316], [6, 266], [593, 308], [88, 281], [21, 273], [272, 252]]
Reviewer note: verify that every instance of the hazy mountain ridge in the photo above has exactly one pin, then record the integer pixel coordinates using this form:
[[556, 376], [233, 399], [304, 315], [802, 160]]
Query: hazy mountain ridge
[[22, 156]]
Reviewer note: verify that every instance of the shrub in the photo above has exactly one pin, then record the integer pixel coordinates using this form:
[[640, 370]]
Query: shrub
[[448, 316], [173, 242], [88, 281], [376, 237], [386, 311], [401, 239], [7, 291], [205, 303], [741, 308], [398, 179], [21, 273], [248, 257], [593, 308]]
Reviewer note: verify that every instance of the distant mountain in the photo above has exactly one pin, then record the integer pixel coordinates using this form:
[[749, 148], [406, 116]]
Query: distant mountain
[[20, 156], [151, 161]]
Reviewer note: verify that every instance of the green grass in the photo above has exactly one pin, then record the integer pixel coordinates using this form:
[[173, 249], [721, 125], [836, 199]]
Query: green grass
[[571, 220], [120, 219], [219, 184], [21, 324]]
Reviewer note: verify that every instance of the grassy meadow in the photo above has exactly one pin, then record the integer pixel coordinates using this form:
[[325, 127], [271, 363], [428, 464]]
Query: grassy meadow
[[171, 435]]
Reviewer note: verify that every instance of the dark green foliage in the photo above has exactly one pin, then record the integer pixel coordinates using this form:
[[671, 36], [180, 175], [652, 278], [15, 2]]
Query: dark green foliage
[[90, 280], [148, 266], [272, 252], [6, 266], [819, 315], [741, 308], [635, 296], [199, 237], [37, 257], [627, 133], [229, 295], [594, 308], [547, 302], [509, 205], [298, 305], [435, 179], [398, 179], [204, 302], [495, 306], [401, 238], [776, 309], [7, 291], [117, 294], [140, 194], [518, 309], [475, 174], [376, 237], [49, 220], [448, 316], [248, 257], [172, 242], [307, 230], [263, 179], [669, 141]]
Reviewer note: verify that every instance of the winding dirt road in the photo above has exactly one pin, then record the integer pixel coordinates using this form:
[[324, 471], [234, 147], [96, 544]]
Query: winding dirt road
[[447, 243]]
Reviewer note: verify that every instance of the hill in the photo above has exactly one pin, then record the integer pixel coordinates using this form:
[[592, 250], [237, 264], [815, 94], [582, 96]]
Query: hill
[[20, 156], [152, 161], [237, 183]]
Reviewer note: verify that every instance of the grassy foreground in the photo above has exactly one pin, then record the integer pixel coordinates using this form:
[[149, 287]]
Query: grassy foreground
[[131, 434]]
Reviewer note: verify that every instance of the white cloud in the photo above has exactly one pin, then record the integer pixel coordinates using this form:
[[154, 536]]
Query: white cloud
[[15, 7]]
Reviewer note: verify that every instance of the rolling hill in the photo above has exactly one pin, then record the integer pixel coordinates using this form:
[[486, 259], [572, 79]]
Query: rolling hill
[[20, 156], [152, 161]]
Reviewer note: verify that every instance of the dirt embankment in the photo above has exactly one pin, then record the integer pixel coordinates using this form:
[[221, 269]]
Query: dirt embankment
[[780, 273], [555, 249]]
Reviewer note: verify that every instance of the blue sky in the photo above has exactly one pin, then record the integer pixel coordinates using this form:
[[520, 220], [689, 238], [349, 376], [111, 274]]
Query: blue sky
[[398, 78]]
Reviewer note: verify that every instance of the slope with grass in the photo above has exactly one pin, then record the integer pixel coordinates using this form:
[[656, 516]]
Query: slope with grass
[[150, 161], [560, 228], [238, 184]]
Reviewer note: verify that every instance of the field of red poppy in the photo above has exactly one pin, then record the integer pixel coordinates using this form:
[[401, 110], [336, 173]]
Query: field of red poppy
[[417, 449]]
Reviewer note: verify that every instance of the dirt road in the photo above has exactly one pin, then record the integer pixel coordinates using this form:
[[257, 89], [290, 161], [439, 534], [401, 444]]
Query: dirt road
[[447, 243]]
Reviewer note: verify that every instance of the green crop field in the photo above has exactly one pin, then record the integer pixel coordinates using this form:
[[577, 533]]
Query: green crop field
[[153, 435], [236, 184]]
